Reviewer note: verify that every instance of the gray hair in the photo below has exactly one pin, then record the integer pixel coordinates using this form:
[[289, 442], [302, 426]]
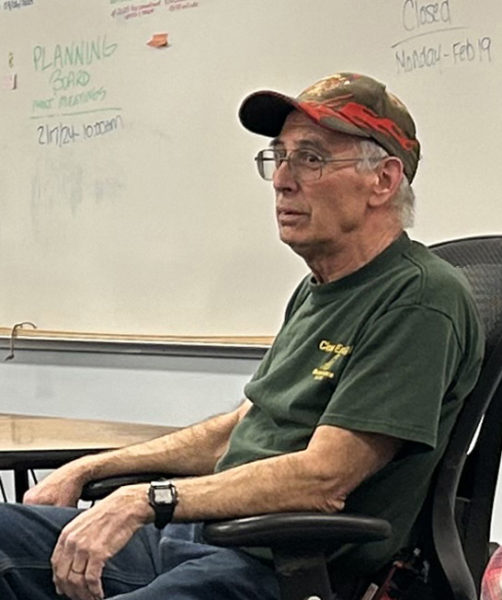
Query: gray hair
[[404, 200]]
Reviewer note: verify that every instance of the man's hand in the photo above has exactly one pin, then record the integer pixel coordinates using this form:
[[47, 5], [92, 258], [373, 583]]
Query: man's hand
[[61, 488], [94, 536]]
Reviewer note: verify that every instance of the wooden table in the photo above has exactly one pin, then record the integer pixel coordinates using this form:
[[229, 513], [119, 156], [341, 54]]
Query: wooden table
[[30, 442]]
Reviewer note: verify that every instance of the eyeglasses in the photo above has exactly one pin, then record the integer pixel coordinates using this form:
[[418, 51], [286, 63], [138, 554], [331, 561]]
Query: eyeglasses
[[305, 165]]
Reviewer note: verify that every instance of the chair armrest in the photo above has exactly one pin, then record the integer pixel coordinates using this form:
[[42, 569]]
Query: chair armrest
[[288, 529], [298, 543], [99, 488]]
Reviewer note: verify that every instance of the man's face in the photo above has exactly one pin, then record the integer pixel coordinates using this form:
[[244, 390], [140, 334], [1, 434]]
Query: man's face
[[317, 217]]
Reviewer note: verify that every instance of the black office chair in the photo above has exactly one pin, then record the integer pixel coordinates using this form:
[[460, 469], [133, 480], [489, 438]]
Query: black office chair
[[464, 490], [455, 520]]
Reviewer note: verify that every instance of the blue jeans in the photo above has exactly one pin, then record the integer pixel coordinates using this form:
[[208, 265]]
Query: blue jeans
[[172, 564]]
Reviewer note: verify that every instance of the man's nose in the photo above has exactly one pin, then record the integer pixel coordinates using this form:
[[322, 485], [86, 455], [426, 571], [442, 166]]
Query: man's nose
[[283, 177]]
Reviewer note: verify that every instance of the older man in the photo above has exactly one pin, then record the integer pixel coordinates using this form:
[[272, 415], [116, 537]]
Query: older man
[[350, 409]]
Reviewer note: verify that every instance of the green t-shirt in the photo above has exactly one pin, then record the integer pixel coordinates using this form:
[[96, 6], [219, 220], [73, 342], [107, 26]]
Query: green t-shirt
[[392, 348]]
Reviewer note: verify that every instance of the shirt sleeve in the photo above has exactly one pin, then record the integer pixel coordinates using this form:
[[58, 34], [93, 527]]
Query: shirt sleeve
[[401, 370]]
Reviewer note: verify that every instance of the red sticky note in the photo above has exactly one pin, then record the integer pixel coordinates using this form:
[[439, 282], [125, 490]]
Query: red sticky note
[[158, 40]]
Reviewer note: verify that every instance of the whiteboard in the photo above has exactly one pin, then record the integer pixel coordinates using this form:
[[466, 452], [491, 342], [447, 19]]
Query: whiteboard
[[129, 198]]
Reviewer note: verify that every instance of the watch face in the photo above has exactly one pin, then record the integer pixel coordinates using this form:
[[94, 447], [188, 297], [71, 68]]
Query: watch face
[[164, 495]]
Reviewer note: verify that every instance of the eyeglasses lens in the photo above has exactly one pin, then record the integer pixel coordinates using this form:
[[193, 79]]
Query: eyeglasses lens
[[267, 164], [300, 163]]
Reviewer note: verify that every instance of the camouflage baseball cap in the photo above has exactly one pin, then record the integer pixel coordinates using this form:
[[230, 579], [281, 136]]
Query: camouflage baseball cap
[[346, 102]]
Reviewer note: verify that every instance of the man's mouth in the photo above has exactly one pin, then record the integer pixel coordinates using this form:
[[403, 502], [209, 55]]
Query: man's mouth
[[287, 216]]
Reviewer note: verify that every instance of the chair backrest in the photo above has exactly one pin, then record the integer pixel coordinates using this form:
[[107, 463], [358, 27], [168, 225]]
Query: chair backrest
[[464, 489]]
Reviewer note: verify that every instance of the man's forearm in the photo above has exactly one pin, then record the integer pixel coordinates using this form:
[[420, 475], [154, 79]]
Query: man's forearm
[[190, 451], [318, 478], [278, 484]]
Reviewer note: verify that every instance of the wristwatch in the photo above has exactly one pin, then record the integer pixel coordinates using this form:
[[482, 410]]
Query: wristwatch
[[163, 498]]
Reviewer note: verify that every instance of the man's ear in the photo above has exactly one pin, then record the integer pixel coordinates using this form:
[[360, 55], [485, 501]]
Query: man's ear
[[389, 174]]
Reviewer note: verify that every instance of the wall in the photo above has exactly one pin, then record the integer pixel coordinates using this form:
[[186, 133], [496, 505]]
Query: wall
[[128, 193]]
